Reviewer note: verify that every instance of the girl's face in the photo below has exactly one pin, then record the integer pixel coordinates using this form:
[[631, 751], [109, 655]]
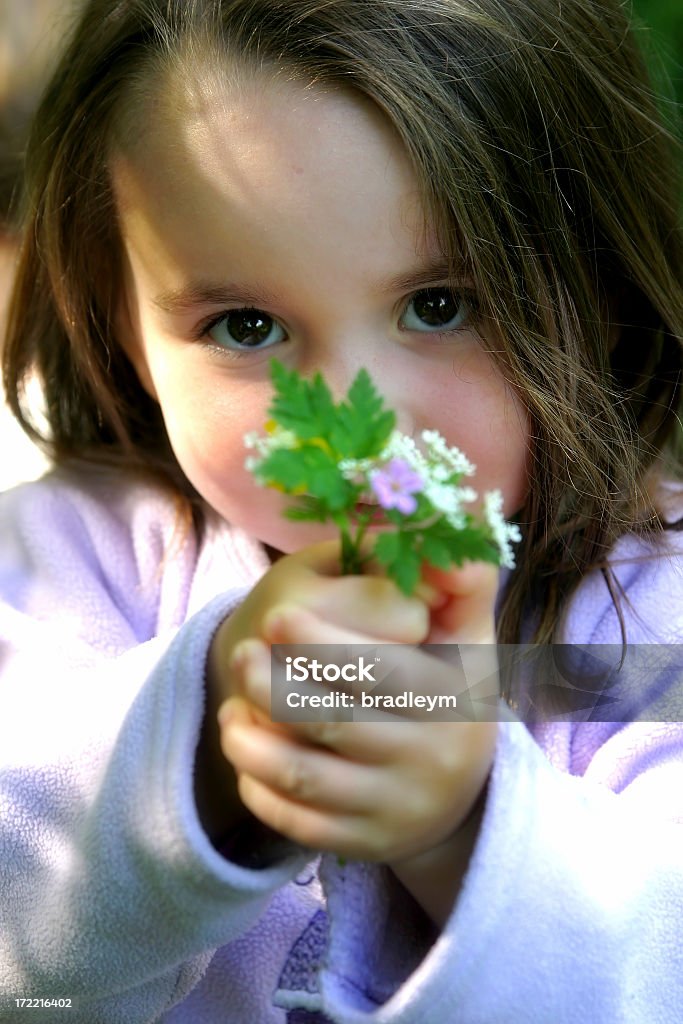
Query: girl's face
[[271, 219]]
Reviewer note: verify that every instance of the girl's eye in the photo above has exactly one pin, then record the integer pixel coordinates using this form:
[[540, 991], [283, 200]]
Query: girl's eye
[[245, 329], [435, 310]]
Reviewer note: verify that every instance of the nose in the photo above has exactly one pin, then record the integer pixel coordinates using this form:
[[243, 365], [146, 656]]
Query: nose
[[348, 355]]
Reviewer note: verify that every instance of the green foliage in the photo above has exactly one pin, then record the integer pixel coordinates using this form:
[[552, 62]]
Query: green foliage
[[401, 557], [310, 469], [326, 455], [357, 428], [660, 30]]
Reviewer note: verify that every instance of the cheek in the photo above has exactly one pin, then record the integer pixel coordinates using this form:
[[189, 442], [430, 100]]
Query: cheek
[[507, 444], [214, 464], [490, 424], [216, 458], [206, 430]]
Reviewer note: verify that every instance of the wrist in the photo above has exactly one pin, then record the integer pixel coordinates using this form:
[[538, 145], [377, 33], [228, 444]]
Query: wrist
[[434, 877]]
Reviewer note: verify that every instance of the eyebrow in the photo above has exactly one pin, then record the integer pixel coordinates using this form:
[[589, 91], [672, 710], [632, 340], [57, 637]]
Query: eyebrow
[[214, 293], [205, 292], [435, 271]]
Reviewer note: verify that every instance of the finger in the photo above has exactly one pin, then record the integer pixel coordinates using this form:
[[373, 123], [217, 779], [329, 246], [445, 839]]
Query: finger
[[461, 580], [467, 614], [430, 595], [409, 686], [374, 605], [253, 671], [310, 826], [362, 744], [250, 702], [236, 709], [399, 825], [370, 602], [405, 667], [309, 775], [294, 624], [250, 669]]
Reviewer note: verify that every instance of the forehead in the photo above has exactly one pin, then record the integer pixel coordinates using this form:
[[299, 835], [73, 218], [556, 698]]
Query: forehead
[[261, 122], [268, 153]]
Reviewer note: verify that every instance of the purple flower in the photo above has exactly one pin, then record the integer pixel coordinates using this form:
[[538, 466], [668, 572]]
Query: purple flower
[[395, 485]]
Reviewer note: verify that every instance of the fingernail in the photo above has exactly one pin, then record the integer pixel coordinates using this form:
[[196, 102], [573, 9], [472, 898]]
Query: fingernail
[[257, 690], [236, 658], [275, 622], [225, 713], [432, 597], [425, 592], [241, 654]]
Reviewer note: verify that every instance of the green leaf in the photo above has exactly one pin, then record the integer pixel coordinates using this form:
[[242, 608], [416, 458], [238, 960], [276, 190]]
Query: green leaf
[[387, 547], [307, 510], [357, 427], [310, 469], [302, 406], [396, 551], [435, 551], [471, 543], [362, 426]]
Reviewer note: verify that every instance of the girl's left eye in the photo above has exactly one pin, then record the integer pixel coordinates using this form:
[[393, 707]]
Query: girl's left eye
[[434, 311], [245, 329]]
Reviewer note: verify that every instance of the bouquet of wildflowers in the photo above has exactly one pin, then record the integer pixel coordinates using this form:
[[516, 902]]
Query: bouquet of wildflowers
[[346, 463]]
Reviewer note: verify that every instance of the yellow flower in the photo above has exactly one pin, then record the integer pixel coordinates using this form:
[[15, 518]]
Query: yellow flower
[[320, 442]]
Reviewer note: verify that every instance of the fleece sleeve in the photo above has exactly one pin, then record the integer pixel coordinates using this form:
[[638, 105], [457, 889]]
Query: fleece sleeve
[[571, 910], [572, 906], [111, 895]]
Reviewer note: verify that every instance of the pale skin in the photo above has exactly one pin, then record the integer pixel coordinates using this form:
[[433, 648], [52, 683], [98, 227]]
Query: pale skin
[[394, 791], [236, 215]]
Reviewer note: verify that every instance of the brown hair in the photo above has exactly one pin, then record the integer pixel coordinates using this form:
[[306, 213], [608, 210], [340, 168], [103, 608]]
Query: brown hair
[[30, 36], [542, 157]]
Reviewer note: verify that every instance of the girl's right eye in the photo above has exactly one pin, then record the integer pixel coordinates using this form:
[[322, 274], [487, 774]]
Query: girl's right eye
[[244, 329]]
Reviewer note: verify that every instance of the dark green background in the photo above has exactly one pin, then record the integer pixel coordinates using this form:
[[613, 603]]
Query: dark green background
[[662, 37]]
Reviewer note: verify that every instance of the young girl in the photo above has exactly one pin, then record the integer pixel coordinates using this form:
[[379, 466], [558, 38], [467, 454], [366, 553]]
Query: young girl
[[477, 203]]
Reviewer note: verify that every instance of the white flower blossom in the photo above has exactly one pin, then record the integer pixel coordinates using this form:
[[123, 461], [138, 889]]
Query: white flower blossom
[[400, 446], [264, 444], [504, 534], [356, 470], [252, 464], [440, 473], [278, 437], [438, 451], [449, 500], [436, 467], [421, 480]]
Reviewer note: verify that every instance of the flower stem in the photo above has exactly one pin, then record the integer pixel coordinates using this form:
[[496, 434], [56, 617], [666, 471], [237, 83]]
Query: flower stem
[[349, 554], [351, 557]]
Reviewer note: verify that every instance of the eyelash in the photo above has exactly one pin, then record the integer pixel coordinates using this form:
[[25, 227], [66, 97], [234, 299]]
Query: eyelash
[[203, 330]]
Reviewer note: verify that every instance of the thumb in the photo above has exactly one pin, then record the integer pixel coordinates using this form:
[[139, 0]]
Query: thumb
[[466, 614]]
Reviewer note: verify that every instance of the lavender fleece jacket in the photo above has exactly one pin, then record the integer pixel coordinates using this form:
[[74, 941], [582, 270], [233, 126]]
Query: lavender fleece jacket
[[112, 896]]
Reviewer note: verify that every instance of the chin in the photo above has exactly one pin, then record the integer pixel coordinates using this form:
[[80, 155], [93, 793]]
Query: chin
[[300, 536]]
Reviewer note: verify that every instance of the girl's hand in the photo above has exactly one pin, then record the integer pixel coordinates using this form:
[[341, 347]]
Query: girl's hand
[[310, 580], [385, 790], [463, 612]]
